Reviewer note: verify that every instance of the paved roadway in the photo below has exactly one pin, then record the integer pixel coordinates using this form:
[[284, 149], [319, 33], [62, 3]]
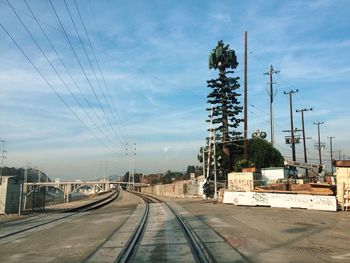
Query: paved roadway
[[260, 234]]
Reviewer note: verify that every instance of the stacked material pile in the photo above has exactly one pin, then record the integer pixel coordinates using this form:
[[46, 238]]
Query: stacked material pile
[[311, 189]]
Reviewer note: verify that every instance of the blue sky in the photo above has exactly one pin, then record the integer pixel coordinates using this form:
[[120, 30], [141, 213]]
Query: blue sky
[[154, 59]]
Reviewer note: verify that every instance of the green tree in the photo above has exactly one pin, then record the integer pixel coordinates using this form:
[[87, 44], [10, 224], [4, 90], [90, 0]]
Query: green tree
[[261, 154], [190, 169], [223, 100]]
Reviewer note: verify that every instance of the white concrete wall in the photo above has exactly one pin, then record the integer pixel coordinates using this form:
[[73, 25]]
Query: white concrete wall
[[313, 202]]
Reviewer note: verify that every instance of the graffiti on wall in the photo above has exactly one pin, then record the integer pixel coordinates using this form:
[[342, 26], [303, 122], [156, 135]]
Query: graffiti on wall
[[326, 203]]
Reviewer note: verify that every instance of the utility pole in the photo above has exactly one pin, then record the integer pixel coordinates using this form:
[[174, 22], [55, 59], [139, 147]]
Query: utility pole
[[339, 153], [206, 184], [106, 169], [26, 187], [304, 138], [319, 141], [271, 95], [2, 158], [100, 173], [331, 146], [209, 144], [290, 93], [215, 170], [203, 152], [131, 152], [245, 97]]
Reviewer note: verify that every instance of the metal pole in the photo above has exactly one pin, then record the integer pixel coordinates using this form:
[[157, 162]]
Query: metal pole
[[271, 95], [215, 174], [245, 97], [319, 143], [271, 108], [319, 140], [331, 146], [2, 159], [20, 198], [304, 136], [209, 144], [203, 150], [25, 187]]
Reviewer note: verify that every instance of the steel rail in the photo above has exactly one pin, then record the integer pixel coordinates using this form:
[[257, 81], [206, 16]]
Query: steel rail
[[198, 249], [129, 249]]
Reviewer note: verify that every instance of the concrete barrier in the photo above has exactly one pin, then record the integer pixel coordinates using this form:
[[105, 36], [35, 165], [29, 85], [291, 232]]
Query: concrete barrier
[[313, 202]]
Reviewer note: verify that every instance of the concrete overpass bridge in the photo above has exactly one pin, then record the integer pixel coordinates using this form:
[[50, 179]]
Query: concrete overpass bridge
[[70, 187]]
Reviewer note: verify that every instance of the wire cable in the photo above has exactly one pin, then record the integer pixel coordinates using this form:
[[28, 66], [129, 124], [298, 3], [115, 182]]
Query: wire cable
[[53, 67], [115, 114], [82, 68], [89, 60], [53, 89]]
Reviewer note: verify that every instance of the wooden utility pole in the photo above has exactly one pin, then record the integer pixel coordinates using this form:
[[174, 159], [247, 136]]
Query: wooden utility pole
[[245, 97], [290, 93], [331, 148], [319, 140], [271, 96], [304, 138]]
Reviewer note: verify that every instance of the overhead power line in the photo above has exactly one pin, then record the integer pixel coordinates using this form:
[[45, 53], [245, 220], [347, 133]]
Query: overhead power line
[[149, 73], [53, 67], [53, 89], [83, 70], [88, 59], [115, 112]]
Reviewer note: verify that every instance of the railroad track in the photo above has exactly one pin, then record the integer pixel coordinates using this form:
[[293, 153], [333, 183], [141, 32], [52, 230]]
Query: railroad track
[[155, 232], [14, 230], [197, 249]]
